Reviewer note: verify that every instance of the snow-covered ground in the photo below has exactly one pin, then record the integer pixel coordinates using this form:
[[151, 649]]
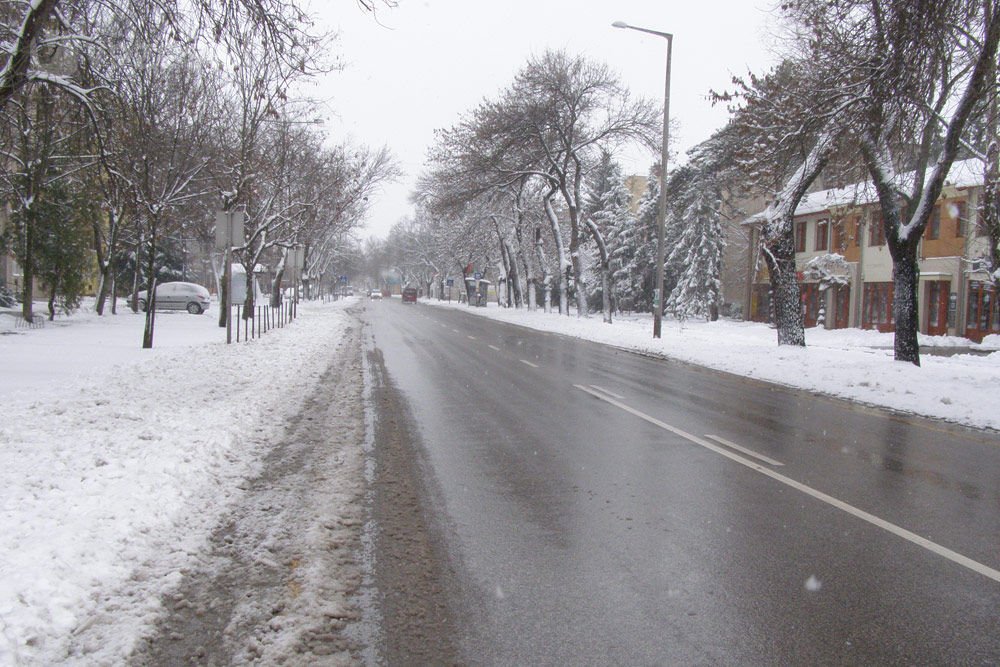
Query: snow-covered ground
[[116, 462], [851, 363]]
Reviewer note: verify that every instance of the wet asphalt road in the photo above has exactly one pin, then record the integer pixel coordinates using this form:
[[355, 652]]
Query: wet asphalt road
[[595, 508]]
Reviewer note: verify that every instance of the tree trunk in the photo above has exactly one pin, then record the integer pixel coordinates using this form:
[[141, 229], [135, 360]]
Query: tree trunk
[[605, 268], [527, 278], [606, 292], [786, 296], [248, 302], [132, 299], [560, 251], [52, 303], [546, 277], [513, 278], [991, 196], [147, 333], [582, 310], [906, 281], [279, 276], [19, 62], [28, 270], [224, 289]]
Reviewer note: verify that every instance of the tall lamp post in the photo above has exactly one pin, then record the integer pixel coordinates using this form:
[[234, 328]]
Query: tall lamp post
[[662, 217]]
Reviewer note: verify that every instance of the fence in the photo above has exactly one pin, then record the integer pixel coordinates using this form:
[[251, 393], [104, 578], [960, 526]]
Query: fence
[[264, 319]]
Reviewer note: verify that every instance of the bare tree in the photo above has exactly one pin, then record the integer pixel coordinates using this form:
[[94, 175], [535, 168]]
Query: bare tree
[[785, 129], [169, 113]]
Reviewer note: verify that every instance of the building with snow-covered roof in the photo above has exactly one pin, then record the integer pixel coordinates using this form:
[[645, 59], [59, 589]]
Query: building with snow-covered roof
[[954, 299]]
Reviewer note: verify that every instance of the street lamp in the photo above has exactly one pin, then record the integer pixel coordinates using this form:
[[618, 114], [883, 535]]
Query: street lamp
[[662, 217]]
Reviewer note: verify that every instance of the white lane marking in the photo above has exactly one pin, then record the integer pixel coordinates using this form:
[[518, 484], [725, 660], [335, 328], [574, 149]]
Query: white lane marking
[[494, 347], [609, 393], [525, 361], [910, 536], [470, 337], [748, 452], [456, 331]]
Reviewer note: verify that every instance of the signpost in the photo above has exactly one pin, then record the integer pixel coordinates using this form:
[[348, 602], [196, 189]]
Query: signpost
[[228, 230], [296, 262]]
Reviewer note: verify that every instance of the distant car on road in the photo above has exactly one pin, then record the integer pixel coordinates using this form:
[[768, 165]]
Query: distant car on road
[[409, 295], [375, 294], [178, 296]]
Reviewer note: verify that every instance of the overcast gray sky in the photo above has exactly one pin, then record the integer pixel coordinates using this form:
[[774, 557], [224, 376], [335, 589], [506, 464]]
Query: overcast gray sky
[[421, 65]]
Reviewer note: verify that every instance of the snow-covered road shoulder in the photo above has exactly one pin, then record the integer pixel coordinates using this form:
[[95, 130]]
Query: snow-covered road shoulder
[[854, 364], [113, 482]]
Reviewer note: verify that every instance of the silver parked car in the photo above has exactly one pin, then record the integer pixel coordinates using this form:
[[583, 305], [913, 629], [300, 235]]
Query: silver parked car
[[178, 296]]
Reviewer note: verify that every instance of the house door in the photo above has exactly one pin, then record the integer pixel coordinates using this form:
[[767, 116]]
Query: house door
[[937, 307], [810, 304], [841, 306], [983, 314]]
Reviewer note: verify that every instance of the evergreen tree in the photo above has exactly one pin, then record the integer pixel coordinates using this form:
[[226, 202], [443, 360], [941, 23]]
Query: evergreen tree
[[63, 257], [607, 202], [696, 252]]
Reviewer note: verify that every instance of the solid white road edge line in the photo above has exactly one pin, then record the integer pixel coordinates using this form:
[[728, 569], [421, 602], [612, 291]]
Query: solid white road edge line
[[609, 393], [525, 361], [749, 452], [933, 547]]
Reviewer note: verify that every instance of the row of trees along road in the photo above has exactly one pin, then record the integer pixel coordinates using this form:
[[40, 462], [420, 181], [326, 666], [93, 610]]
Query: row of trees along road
[[890, 92], [131, 123], [529, 182]]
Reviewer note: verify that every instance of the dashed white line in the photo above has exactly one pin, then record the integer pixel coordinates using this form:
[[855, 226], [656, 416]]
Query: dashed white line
[[470, 337], [609, 393], [528, 363], [878, 522], [748, 452], [494, 347]]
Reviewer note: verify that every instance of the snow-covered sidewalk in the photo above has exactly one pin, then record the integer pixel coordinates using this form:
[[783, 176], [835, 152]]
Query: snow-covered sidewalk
[[115, 462], [850, 363]]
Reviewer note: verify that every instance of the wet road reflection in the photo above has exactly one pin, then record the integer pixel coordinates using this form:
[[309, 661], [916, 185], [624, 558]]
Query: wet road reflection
[[580, 533]]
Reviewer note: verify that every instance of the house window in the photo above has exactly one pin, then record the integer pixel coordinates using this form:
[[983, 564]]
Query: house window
[[800, 237], [877, 307], [876, 231], [934, 224], [960, 212], [980, 222], [822, 235], [839, 236]]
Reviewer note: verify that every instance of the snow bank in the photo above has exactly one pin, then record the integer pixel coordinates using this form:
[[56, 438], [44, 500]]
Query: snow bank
[[111, 477], [855, 364]]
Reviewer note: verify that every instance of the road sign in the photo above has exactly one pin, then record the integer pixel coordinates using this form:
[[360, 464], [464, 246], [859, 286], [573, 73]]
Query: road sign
[[228, 229], [449, 282], [343, 279]]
